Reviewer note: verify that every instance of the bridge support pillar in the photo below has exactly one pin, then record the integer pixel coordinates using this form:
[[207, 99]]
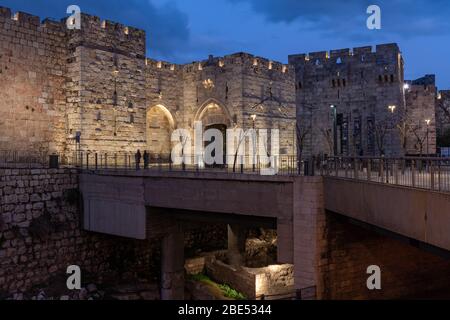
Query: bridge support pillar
[[172, 266], [309, 241], [236, 245]]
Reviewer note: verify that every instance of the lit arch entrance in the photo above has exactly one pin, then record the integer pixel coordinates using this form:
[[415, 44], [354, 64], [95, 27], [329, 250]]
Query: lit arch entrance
[[159, 125], [213, 115]]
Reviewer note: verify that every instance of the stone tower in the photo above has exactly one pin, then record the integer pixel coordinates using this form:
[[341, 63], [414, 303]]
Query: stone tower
[[343, 100]]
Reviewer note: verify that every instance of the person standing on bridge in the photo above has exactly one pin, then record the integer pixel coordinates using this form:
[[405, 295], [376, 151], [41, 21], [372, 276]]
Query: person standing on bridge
[[137, 158]]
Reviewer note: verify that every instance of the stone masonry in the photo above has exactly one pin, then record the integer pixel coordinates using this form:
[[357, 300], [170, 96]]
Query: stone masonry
[[41, 235], [33, 73], [355, 102], [407, 272], [360, 84], [421, 116], [443, 112], [97, 84]]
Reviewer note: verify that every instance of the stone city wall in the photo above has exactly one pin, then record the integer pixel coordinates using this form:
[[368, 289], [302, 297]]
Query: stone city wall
[[96, 84], [443, 113], [406, 271], [41, 235], [360, 84], [421, 108], [32, 75]]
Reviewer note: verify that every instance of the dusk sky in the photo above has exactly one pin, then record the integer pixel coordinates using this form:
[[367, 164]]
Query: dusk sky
[[187, 30]]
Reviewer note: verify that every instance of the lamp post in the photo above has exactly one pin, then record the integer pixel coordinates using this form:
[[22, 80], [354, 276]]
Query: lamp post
[[334, 110], [428, 121], [392, 109], [253, 117]]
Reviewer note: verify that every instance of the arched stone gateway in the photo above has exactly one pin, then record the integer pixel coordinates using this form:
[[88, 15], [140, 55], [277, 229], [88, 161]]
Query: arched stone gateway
[[160, 125], [213, 112], [214, 115]]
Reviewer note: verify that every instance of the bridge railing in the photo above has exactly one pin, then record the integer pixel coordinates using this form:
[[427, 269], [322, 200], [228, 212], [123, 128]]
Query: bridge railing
[[416, 172], [22, 159], [281, 165]]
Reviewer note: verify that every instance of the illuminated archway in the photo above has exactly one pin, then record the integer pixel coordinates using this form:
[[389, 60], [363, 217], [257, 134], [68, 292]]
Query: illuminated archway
[[213, 115], [159, 125], [212, 112]]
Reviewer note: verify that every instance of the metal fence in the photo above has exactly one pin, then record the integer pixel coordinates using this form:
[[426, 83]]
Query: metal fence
[[281, 165], [423, 173], [416, 172], [22, 159]]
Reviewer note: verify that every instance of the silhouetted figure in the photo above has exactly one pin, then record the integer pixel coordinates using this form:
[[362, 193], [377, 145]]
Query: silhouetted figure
[[146, 159], [138, 157]]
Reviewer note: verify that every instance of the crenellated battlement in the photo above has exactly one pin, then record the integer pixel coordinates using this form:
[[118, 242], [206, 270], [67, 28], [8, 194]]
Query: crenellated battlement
[[161, 65], [5, 12], [95, 32], [108, 35], [241, 58], [93, 24], [30, 21], [342, 56]]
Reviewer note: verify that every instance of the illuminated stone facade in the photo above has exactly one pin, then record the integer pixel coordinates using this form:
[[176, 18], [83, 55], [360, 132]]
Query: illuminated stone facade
[[343, 95], [357, 103], [96, 83]]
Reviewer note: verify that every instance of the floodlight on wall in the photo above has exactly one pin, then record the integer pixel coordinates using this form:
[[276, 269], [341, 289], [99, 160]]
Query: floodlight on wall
[[208, 84], [392, 108], [406, 86], [428, 122]]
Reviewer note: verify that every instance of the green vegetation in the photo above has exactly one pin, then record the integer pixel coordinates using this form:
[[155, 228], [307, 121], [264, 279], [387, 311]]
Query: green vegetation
[[226, 289], [231, 293], [202, 278]]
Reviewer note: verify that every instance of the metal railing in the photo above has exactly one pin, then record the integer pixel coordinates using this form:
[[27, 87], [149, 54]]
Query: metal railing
[[22, 159], [282, 165], [423, 173], [417, 172]]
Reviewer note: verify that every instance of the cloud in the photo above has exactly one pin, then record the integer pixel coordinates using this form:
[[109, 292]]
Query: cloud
[[347, 18], [166, 26]]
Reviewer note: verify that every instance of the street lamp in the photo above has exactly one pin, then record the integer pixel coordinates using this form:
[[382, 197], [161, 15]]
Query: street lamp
[[392, 109], [428, 121], [253, 117], [334, 110]]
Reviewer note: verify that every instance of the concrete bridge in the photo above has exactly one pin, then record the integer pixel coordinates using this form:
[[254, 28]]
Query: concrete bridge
[[153, 204]]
